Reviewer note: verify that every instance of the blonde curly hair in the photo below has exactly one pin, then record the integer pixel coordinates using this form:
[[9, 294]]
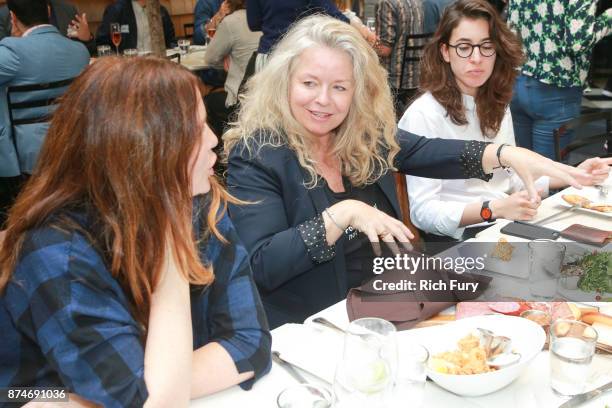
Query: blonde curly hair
[[365, 141]]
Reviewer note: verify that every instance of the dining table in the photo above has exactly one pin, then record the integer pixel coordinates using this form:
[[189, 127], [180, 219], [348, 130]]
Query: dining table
[[192, 60], [315, 349]]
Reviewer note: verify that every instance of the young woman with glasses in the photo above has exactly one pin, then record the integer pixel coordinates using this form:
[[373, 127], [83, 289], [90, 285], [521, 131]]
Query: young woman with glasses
[[468, 70]]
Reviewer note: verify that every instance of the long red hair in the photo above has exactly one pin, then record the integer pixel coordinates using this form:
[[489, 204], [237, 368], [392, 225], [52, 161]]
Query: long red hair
[[120, 145]]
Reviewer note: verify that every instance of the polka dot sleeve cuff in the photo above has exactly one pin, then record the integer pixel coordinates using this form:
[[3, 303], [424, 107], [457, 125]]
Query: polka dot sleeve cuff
[[313, 234], [471, 160]]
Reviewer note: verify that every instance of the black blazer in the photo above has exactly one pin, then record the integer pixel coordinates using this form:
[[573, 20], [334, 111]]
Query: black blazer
[[122, 12], [291, 285]]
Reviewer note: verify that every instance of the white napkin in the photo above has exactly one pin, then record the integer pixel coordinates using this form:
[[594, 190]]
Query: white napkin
[[313, 348]]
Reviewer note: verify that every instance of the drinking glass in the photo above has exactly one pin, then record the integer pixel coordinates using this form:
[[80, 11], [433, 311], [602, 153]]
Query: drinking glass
[[71, 31], [130, 52], [365, 374], [304, 396], [545, 260], [184, 46], [371, 24], [115, 30], [104, 50], [572, 346], [211, 32], [411, 375]]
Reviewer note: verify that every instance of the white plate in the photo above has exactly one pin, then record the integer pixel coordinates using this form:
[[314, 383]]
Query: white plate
[[592, 194], [527, 338]]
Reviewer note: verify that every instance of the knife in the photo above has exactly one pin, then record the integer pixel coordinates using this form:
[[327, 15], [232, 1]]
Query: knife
[[293, 372], [555, 215], [582, 398]]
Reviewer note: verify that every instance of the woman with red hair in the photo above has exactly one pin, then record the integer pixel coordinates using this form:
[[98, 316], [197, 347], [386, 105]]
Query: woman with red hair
[[121, 276]]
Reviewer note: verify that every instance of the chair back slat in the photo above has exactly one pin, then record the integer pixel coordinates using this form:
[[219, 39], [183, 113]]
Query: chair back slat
[[401, 189], [33, 103]]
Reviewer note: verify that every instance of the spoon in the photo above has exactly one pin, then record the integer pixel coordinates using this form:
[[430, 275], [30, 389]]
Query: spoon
[[497, 349], [504, 360], [367, 337]]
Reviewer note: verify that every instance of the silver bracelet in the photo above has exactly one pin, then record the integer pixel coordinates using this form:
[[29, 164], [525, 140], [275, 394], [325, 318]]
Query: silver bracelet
[[329, 214]]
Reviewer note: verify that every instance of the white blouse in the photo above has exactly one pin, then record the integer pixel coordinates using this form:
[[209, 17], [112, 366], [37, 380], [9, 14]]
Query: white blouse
[[436, 206]]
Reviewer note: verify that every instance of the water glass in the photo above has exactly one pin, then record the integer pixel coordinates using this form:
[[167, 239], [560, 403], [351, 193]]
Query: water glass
[[572, 346], [545, 261], [411, 375], [305, 396], [184, 46], [71, 31], [371, 24], [365, 375], [130, 52], [104, 50]]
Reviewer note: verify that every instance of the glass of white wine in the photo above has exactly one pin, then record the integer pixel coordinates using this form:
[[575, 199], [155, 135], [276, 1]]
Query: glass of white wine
[[366, 372]]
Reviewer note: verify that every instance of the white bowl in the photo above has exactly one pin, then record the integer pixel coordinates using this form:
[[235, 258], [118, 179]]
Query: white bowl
[[527, 338]]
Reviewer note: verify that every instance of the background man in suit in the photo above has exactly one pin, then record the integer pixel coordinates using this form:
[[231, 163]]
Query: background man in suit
[[62, 15], [135, 32], [35, 53]]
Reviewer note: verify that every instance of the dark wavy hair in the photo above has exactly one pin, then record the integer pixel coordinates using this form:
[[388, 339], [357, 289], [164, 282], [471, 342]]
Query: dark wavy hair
[[493, 97]]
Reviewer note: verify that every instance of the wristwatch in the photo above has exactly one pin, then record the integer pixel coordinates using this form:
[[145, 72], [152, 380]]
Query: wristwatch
[[485, 212]]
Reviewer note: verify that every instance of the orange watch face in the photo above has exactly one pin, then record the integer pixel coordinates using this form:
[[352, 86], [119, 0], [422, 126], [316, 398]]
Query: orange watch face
[[486, 213]]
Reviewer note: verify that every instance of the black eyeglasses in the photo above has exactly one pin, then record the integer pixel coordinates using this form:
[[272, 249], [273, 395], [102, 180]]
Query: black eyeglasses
[[465, 50]]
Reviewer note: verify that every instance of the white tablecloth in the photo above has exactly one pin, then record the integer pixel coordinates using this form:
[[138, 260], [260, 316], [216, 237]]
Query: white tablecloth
[[530, 390]]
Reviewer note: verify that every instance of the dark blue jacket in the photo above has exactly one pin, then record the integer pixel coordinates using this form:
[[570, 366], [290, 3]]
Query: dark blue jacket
[[122, 12], [274, 17], [291, 285]]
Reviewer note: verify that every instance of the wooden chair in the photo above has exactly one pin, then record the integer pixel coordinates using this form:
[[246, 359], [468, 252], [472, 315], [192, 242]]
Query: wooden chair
[[32, 103], [402, 197], [579, 142]]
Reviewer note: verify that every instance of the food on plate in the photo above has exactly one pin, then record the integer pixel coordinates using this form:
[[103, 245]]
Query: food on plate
[[576, 312], [507, 308], [605, 208], [538, 316], [597, 272], [469, 358], [503, 250], [594, 317], [594, 271], [575, 199], [562, 328]]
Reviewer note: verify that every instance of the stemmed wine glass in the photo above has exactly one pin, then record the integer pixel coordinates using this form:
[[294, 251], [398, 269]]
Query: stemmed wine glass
[[210, 33], [115, 30]]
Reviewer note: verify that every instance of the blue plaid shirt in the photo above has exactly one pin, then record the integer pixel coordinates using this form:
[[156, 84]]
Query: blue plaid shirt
[[66, 322]]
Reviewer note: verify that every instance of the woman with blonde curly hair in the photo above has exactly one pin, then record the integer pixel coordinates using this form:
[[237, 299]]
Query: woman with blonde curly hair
[[313, 149]]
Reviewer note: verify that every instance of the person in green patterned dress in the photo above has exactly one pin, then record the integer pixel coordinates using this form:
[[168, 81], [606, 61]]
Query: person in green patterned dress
[[558, 37]]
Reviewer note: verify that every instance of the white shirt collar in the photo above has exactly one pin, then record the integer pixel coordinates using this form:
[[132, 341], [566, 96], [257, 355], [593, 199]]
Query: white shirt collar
[[29, 30]]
